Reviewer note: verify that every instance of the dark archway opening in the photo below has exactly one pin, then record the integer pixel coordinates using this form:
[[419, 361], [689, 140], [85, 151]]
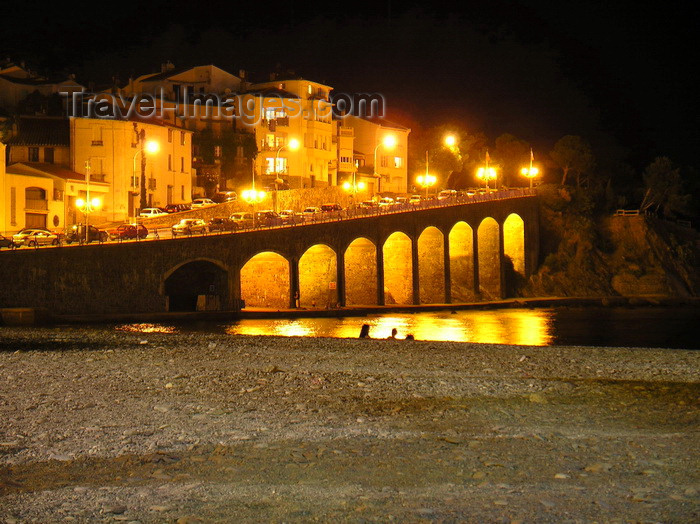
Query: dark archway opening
[[197, 286]]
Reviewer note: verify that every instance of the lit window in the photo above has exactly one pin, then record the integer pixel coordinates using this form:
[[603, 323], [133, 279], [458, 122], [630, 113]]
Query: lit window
[[398, 161], [217, 151]]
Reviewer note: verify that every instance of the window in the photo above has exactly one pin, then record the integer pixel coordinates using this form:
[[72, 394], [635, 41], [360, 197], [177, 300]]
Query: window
[[170, 162], [96, 136], [398, 161], [48, 155], [176, 91], [310, 89], [13, 206], [182, 138], [33, 154], [152, 184], [182, 164], [217, 151], [384, 161], [170, 136], [271, 113], [270, 168], [182, 193]]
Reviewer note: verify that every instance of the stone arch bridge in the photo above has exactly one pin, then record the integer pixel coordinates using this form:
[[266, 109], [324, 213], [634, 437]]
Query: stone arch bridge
[[457, 253]]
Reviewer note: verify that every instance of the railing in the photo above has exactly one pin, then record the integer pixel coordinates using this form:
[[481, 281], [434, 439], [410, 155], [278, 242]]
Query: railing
[[353, 213]]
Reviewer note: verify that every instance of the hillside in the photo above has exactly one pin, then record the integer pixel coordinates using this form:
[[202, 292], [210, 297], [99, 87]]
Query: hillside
[[611, 255]]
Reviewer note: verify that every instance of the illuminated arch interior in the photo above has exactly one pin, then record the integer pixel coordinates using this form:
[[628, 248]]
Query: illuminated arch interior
[[462, 262], [317, 277], [489, 261], [398, 269], [361, 273], [514, 250], [431, 264], [265, 281]]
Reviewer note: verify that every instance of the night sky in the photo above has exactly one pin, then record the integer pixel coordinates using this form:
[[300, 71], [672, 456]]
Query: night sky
[[617, 73]]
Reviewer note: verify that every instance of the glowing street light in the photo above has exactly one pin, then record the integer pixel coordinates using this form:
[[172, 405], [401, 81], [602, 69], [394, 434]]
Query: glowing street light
[[426, 181], [253, 196], [451, 141], [389, 142], [152, 147], [292, 145], [530, 172], [486, 173]]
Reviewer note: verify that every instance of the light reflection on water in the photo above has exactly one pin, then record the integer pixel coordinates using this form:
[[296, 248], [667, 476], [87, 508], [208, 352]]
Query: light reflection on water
[[513, 326], [670, 327]]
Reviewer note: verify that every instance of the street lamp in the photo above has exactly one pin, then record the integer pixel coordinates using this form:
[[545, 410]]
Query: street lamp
[[389, 142], [150, 146], [486, 173], [450, 141], [530, 172], [292, 145], [426, 181], [87, 205], [354, 186], [252, 196]]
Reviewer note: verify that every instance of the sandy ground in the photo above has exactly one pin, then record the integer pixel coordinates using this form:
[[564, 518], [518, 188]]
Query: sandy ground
[[100, 425]]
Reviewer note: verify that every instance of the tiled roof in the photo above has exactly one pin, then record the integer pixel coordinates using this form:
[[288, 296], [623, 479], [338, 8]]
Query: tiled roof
[[272, 92], [49, 169], [41, 131]]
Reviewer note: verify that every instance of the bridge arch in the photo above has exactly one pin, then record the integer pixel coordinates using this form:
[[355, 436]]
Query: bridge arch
[[185, 283], [489, 253], [398, 269], [318, 277], [514, 251], [431, 266], [265, 281], [461, 242], [361, 272]]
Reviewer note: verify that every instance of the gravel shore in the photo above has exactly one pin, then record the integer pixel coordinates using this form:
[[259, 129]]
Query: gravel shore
[[103, 425]]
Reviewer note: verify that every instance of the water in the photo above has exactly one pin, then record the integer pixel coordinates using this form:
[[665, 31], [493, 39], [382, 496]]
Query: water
[[614, 327]]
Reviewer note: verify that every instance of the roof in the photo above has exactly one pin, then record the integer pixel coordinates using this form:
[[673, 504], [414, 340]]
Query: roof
[[26, 81], [32, 168], [41, 131]]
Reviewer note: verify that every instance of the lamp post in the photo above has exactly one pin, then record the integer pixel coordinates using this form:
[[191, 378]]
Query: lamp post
[[426, 181], [149, 147], [292, 145], [88, 205], [486, 173], [530, 172], [252, 196], [389, 142]]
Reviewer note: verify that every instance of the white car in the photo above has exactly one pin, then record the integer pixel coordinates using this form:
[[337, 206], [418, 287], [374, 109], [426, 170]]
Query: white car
[[446, 194], [151, 212], [311, 213], [202, 202], [386, 202]]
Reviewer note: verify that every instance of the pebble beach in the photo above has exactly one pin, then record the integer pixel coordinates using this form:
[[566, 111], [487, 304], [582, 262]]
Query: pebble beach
[[105, 425]]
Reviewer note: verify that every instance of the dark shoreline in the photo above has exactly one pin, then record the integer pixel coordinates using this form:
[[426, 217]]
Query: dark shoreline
[[32, 316]]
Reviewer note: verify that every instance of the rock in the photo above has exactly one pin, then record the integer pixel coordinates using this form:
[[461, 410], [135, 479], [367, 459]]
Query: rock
[[562, 476], [537, 398], [116, 510], [600, 467]]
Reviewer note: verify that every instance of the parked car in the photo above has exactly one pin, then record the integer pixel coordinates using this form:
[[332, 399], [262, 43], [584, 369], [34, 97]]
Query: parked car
[[288, 216], [202, 202], [447, 194], [190, 226], [243, 220], [225, 196], [128, 232], [77, 234], [267, 218], [415, 200], [386, 202], [6, 242], [470, 192], [222, 224], [177, 208], [311, 214], [401, 201], [152, 212], [33, 237]]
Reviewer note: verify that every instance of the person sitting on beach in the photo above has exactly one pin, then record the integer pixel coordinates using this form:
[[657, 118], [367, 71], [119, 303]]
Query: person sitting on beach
[[364, 331], [394, 332]]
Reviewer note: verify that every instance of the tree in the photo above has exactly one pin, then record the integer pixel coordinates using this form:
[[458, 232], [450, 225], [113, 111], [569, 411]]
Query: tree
[[573, 155], [512, 154], [664, 190]]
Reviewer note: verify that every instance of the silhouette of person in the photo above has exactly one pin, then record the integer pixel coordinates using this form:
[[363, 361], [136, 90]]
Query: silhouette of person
[[394, 331], [364, 331]]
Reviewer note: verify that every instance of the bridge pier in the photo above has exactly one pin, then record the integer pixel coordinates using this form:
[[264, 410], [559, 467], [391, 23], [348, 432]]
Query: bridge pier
[[293, 282], [415, 272], [475, 263], [380, 273], [340, 278], [446, 267]]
